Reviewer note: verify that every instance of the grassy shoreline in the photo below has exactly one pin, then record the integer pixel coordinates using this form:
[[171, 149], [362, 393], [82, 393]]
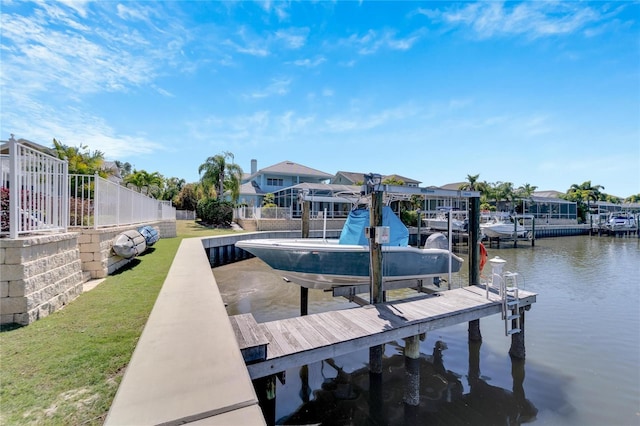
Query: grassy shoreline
[[65, 369]]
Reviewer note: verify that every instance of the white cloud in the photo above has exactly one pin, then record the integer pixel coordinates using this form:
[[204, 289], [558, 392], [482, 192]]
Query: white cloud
[[355, 121], [373, 41], [57, 52], [249, 44], [327, 92], [534, 19], [79, 6], [294, 38], [308, 63], [74, 127], [276, 88]]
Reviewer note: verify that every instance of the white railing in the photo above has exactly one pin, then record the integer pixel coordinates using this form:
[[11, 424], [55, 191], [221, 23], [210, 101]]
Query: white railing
[[249, 212], [34, 192], [185, 215], [39, 195], [97, 202]]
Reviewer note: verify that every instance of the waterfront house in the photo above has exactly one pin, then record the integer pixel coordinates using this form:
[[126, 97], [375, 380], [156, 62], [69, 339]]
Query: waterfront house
[[276, 178]]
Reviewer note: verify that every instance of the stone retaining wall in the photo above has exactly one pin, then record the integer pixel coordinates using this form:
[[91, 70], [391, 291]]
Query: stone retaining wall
[[40, 274], [98, 260]]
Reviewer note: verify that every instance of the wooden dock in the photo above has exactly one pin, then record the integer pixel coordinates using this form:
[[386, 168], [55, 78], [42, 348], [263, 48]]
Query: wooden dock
[[272, 347]]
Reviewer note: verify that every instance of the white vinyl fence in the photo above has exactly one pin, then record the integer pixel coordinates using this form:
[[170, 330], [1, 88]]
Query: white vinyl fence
[[97, 202], [34, 192], [247, 212], [39, 195]]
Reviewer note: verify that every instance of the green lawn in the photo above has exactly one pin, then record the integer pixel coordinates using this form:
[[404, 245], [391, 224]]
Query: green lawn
[[65, 369]]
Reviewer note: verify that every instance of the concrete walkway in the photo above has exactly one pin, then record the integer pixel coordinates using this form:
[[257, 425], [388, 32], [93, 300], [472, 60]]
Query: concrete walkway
[[187, 367]]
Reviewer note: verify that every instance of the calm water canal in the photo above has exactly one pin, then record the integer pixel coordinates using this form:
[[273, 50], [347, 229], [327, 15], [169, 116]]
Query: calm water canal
[[582, 342]]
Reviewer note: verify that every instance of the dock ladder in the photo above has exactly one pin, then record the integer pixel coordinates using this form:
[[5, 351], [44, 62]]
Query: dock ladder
[[506, 284], [510, 303]]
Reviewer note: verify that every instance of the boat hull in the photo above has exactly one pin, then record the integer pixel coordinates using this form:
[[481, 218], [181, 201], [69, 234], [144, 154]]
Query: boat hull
[[443, 225], [502, 230], [324, 264], [621, 223]]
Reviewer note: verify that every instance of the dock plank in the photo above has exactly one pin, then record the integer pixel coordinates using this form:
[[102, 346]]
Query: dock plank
[[247, 332]]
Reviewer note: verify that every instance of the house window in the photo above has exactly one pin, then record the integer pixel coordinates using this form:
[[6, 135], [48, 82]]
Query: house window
[[275, 182]]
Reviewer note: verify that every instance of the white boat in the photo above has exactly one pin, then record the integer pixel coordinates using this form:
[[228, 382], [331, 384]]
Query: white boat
[[441, 221], [621, 222], [502, 227], [327, 263]]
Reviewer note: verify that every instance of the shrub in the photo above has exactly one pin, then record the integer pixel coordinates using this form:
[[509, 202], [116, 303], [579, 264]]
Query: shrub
[[4, 209], [215, 212]]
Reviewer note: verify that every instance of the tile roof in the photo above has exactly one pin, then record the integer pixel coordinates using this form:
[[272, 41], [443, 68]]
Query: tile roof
[[291, 168]]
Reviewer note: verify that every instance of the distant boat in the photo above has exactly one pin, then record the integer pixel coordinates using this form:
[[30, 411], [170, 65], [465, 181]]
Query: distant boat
[[502, 227], [327, 263], [441, 221], [621, 222]]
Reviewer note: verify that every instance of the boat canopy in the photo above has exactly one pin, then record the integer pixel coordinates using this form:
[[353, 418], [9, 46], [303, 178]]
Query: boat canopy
[[353, 231]]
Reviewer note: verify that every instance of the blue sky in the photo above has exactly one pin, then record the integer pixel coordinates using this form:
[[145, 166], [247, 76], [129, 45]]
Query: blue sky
[[544, 93]]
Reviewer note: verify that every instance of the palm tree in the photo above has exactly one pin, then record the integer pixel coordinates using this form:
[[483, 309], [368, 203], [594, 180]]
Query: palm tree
[[141, 179], [505, 191], [124, 168], [173, 187], [470, 185], [217, 173], [524, 192], [585, 192], [81, 161]]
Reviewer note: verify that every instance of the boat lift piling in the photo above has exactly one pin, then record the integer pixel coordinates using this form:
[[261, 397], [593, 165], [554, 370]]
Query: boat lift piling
[[474, 334], [304, 291], [375, 247]]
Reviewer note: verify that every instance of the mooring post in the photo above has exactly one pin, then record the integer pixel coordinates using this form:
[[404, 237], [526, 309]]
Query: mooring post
[[474, 259], [412, 370], [375, 220], [304, 291], [533, 232], [412, 379], [377, 296], [266, 391], [517, 339]]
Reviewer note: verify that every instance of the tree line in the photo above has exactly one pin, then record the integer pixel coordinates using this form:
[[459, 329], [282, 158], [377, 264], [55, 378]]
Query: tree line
[[219, 174], [584, 194]]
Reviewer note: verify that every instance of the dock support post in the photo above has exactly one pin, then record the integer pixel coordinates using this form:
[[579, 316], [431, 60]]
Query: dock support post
[[304, 291], [474, 259], [375, 359], [266, 389], [377, 295], [517, 339], [376, 250], [412, 371], [376, 405]]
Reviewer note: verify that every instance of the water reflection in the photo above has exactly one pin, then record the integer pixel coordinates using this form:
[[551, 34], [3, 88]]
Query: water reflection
[[583, 346], [365, 399]]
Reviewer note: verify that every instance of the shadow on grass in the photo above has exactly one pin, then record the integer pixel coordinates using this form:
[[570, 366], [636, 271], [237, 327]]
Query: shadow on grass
[[132, 264], [149, 250], [10, 327]]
